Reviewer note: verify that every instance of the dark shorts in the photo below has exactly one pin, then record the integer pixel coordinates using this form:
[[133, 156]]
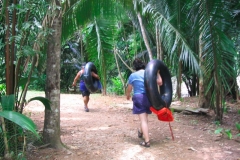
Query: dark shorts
[[85, 93], [83, 89], [141, 104]]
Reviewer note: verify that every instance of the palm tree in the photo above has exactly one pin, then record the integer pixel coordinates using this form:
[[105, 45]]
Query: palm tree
[[209, 19], [20, 38], [70, 21], [21, 49], [99, 32], [217, 50]]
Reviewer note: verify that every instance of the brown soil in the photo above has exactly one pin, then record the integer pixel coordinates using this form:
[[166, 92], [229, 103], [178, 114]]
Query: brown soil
[[109, 131]]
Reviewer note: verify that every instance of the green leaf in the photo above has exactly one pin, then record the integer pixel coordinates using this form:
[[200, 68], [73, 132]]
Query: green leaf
[[217, 123], [238, 126], [229, 133], [21, 120], [78, 13], [219, 130], [8, 102], [22, 82], [44, 100]]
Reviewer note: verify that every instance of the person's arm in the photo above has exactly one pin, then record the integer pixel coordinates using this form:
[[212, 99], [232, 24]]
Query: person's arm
[[76, 78], [95, 75], [159, 79], [128, 91]]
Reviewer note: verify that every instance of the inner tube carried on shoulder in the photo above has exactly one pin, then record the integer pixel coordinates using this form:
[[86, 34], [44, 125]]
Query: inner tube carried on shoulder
[[164, 98], [90, 82]]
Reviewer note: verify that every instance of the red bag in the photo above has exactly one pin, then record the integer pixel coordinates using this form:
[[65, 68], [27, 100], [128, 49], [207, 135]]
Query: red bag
[[163, 114]]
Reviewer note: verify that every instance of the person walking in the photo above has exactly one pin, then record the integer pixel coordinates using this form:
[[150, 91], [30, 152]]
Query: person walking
[[141, 104], [84, 91]]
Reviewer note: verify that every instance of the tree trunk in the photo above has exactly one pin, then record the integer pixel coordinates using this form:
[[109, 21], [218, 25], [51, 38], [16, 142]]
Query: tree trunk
[[218, 97], [236, 90], [218, 91], [119, 72], [12, 59], [179, 79], [179, 71], [81, 45], [144, 36], [104, 80], [9, 80], [51, 131], [159, 44], [202, 102]]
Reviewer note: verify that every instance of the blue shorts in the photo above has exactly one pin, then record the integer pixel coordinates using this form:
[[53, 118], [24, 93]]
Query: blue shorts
[[85, 93], [83, 89], [141, 104]]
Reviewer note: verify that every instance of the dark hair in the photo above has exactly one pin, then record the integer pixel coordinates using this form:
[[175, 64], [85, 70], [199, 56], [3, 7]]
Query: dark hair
[[138, 64], [83, 64]]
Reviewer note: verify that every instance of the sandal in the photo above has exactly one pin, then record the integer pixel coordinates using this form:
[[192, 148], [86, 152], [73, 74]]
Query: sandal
[[145, 144], [86, 109], [140, 134]]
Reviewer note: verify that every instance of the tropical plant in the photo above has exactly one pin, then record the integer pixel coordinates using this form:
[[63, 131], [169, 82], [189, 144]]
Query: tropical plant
[[14, 127], [217, 50], [116, 87], [26, 36], [238, 126], [22, 36], [99, 30], [188, 33], [207, 22]]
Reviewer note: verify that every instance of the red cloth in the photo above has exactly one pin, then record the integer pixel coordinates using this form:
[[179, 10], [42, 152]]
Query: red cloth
[[163, 114]]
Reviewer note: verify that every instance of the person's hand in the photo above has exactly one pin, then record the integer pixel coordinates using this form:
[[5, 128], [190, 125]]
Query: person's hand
[[159, 82], [95, 75], [98, 77], [159, 79], [128, 91]]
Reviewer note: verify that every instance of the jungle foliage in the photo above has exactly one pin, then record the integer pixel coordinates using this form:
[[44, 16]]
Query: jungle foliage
[[199, 41]]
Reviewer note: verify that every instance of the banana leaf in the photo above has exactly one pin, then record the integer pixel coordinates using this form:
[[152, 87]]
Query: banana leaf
[[21, 120], [23, 81], [44, 100], [7, 102]]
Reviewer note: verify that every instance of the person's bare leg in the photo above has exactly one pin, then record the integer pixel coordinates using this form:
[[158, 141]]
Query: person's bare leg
[[85, 101], [144, 125]]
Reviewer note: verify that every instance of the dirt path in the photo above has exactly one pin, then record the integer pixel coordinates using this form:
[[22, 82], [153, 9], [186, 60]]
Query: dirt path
[[109, 131]]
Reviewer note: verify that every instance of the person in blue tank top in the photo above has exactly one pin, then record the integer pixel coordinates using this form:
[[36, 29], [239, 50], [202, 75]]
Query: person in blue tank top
[[82, 86], [141, 104]]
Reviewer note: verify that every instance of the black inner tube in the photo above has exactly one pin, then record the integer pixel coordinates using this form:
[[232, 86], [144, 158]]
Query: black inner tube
[[164, 98], [90, 82]]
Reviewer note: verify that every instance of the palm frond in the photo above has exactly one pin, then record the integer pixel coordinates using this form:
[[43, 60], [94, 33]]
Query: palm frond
[[171, 35], [99, 40], [218, 48], [78, 13]]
